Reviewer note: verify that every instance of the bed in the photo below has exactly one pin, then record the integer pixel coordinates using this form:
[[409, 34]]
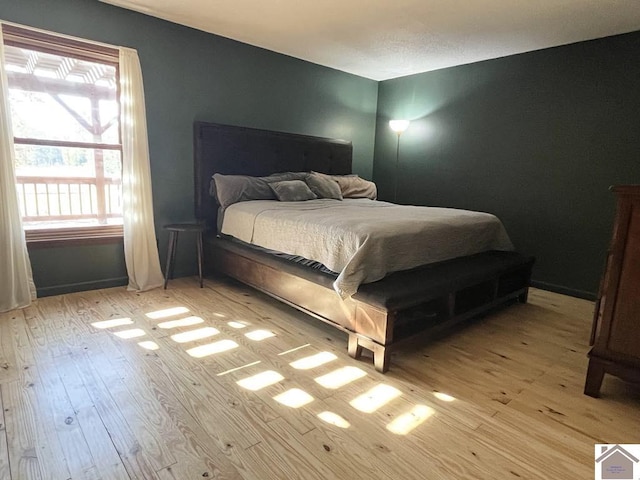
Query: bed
[[392, 305]]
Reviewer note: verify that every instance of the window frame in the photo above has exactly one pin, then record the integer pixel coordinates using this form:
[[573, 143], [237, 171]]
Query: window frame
[[82, 50]]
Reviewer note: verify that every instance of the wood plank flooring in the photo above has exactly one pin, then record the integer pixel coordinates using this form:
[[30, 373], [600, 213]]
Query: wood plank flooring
[[224, 382]]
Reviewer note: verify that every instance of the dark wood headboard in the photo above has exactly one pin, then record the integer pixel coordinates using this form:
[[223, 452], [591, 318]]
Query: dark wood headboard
[[231, 150]]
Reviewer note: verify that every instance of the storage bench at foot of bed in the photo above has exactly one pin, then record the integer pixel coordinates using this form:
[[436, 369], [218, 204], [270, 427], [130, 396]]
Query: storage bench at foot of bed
[[422, 302], [395, 311]]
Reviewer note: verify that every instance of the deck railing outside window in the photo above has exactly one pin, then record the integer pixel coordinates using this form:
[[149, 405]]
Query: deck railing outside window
[[52, 199]]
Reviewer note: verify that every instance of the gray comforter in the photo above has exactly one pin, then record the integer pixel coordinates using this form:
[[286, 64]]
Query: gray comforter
[[363, 240]]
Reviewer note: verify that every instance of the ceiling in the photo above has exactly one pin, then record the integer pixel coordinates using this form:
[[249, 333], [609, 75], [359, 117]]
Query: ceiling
[[380, 39]]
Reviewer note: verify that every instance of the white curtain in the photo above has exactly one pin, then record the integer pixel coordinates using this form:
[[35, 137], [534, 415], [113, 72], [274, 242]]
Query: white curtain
[[16, 282], [140, 248]]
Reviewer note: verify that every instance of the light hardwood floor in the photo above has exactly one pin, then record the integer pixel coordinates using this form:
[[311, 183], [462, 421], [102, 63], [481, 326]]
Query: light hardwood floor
[[106, 384]]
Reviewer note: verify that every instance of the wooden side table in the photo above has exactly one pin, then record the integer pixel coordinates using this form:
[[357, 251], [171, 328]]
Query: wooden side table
[[174, 229]]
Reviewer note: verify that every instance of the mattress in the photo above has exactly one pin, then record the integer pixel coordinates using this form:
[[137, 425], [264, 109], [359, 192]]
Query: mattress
[[363, 240]]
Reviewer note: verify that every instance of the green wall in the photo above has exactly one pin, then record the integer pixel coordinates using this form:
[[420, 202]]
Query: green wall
[[535, 138], [191, 75]]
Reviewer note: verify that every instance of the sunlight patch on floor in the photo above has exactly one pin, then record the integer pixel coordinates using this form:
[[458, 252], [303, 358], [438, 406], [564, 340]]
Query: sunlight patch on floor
[[333, 419], [167, 312], [294, 398], [212, 348], [116, 322], [406, 422], [149, 345], [313, 361], [133, 333], [183, 322], [238, 325], [193, 335], [259, 335], [340, 377], [443, 396], [367, 402], [375, 398], [260, 380]]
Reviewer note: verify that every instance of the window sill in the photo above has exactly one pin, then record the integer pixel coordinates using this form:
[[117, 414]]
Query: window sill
[[65, 237]]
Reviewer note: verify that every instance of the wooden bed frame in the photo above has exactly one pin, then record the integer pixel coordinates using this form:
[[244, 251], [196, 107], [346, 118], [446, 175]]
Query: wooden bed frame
[[382, 316]]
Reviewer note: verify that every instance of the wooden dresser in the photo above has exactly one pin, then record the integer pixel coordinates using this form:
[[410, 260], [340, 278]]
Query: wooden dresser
[[615, 335]]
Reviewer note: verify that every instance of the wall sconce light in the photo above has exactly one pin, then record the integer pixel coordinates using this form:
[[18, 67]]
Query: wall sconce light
[[397, 126]]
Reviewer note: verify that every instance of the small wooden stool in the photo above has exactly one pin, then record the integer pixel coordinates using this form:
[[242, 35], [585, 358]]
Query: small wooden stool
[[174, 229]]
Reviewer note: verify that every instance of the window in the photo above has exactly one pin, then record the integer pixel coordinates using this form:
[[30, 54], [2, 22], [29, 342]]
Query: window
[[63, 96]]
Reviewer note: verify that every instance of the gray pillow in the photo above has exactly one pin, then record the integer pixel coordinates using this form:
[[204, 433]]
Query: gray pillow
[[324, 187], [292, 191], [352, 186], [279, 177], [232, 189]]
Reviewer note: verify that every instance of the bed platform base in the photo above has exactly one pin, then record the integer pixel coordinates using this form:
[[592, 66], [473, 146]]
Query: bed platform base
[[404, 307]]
